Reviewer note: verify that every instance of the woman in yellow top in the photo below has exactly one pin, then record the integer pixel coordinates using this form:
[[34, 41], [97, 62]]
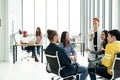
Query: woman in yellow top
[[112, 47]]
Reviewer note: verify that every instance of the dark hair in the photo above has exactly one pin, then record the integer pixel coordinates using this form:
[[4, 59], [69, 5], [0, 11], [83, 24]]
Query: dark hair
[[115, 33], [106, 35], [38, 33], [51, 34], [63, 38]]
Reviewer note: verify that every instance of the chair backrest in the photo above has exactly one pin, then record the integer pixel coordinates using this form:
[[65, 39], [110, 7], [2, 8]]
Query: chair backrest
[[53, 64], [116, 66]]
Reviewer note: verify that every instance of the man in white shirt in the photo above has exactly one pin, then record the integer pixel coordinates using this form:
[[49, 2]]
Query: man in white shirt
[[25, 40]]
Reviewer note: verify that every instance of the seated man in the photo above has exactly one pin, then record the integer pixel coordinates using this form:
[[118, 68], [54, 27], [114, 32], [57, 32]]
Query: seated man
[[112, 47], [25, 40], [65, 61]]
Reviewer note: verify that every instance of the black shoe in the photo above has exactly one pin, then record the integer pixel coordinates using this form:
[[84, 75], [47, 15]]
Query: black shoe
[[36, 59], [32, 56]]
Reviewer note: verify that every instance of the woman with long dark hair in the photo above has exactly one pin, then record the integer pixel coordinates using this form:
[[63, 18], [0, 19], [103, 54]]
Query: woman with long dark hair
[[38, 39], [104, 36], [65, 44]]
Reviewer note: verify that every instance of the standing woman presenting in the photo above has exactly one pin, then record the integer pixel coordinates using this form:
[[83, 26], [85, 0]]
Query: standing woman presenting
[[38, 39], [94, 39]]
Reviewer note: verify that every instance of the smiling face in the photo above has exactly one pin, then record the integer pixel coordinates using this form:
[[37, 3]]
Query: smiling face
[[103, 36], [95, 23], [67, 37]]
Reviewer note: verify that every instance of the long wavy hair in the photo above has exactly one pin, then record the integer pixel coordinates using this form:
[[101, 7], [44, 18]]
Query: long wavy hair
[[63, 38], [38, 33], [106, 35]]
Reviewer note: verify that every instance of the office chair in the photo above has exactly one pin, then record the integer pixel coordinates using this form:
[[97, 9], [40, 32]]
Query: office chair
[[53, 66], [27, 52], [116, 67]]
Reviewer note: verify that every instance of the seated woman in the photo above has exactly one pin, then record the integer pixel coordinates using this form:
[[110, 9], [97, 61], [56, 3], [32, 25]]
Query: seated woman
[[65, 44], [112, 47], [25, 40], [104, 36]]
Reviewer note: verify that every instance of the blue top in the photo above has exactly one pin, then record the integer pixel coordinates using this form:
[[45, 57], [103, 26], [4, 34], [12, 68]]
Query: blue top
[[69, 49]]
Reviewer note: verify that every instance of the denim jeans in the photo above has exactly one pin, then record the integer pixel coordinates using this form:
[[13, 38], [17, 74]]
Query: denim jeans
[[83, 71], [38, 50], [73, 69], [31, 48]]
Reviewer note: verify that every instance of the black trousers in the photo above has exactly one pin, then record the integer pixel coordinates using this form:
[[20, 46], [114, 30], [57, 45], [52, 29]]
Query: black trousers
[[31, 48], [98, 69]]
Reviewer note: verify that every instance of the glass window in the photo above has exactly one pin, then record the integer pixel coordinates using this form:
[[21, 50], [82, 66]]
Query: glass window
[[40, 15], [74, 18], [28, 16], [63, 15], [52, 14], [107, 14]]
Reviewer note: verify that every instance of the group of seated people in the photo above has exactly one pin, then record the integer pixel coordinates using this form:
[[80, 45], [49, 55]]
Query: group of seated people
[[38, 40], [68, 56]]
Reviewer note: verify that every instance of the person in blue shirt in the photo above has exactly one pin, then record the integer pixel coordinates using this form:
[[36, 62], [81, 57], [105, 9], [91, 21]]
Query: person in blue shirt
[[65, 61], [65, 44]]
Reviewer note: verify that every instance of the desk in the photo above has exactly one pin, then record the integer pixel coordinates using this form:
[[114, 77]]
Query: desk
[[15, 50], [82, 46]]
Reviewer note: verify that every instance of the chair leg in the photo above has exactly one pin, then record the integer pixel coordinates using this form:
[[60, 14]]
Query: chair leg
[[52, 78], [58, 78]]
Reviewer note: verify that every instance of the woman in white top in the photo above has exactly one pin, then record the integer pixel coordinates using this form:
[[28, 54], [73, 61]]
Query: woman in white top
[[94, 39]]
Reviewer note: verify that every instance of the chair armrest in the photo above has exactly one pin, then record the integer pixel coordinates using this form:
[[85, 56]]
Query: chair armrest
[[118, 54]]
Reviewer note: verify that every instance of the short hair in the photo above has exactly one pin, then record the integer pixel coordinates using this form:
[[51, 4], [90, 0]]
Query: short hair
[[51, 34], [96, 19], [115, 33]]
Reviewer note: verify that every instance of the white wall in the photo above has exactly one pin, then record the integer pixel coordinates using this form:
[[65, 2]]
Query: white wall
[[3, 31]]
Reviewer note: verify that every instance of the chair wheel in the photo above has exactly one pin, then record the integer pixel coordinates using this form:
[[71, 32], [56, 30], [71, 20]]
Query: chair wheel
[[52, 78]]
